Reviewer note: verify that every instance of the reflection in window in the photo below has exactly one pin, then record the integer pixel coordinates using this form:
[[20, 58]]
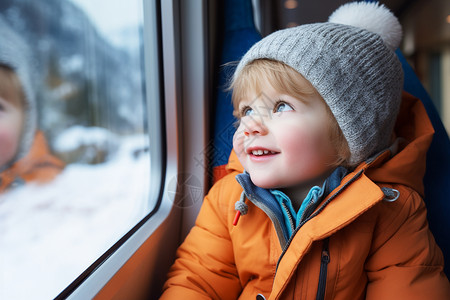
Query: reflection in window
[[90, 102]]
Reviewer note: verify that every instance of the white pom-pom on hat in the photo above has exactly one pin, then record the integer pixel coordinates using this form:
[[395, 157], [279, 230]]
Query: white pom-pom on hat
[[373, 17]]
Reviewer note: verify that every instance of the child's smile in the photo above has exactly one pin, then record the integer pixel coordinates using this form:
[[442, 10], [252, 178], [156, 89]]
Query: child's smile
[[260, 153]]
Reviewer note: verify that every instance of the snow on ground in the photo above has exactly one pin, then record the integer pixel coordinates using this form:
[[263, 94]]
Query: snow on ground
[[50, 234], [76, 136]]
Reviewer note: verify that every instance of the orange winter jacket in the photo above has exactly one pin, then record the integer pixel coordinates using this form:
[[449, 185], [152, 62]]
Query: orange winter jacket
[[367, 246], [37, 166]]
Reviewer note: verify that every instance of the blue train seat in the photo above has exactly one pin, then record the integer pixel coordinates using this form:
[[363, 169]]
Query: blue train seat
[[239, 34]]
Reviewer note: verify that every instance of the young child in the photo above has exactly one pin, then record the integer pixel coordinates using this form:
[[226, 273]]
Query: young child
[[24, 155], [330, 200]]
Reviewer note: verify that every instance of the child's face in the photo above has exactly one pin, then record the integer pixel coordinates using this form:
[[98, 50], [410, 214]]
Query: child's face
[[11, 123], [283, 141]]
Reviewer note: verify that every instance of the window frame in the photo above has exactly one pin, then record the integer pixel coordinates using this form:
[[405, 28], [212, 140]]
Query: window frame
[[97, 275], [181, 84]]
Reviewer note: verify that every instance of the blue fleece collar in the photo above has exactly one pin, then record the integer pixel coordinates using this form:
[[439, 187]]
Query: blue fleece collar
[[278, 206], [314, 195]]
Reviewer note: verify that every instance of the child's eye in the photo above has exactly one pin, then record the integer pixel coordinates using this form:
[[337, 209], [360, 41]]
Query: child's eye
[[246, 111], [281, 106]]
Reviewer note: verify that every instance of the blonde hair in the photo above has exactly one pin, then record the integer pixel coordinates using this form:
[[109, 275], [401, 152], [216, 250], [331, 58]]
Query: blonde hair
[[10, 87], [284, 79]]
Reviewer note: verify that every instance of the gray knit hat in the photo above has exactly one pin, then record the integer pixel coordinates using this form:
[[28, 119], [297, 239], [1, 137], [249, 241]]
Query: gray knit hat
[[350, 60], [15, 54]]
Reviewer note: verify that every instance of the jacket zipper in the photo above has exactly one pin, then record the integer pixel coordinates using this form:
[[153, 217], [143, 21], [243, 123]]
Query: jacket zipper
[[291, 219], [308, 211], [324, 260], [275, 221]]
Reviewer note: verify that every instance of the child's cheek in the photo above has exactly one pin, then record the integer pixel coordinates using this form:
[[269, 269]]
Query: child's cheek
[[9, 142], [303, 148], [238, 143]]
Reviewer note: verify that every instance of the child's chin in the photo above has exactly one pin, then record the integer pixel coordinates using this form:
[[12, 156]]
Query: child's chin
[[265, 183]]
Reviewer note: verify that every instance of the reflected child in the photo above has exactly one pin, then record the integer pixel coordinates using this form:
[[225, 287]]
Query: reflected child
[[24, 154]]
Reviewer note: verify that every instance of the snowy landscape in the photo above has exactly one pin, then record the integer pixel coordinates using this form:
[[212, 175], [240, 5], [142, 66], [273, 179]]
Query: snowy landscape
[[91, 103], [49, 234]]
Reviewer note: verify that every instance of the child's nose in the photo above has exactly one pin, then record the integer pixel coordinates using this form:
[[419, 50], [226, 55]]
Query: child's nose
[[254, 126]]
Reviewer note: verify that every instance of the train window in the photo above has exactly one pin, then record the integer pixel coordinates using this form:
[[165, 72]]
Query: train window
[[77, 177]]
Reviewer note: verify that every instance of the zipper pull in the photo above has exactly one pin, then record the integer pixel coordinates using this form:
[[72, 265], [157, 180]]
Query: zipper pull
[[324, 260], [236, 218], [325, 256], [241, 208]]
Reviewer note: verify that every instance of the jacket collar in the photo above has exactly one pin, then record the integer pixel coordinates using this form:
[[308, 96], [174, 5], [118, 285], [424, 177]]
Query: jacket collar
[[266, 201], [356, 195]]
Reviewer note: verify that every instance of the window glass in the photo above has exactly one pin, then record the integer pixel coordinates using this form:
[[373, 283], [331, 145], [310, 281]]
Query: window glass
[[74, 177]]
